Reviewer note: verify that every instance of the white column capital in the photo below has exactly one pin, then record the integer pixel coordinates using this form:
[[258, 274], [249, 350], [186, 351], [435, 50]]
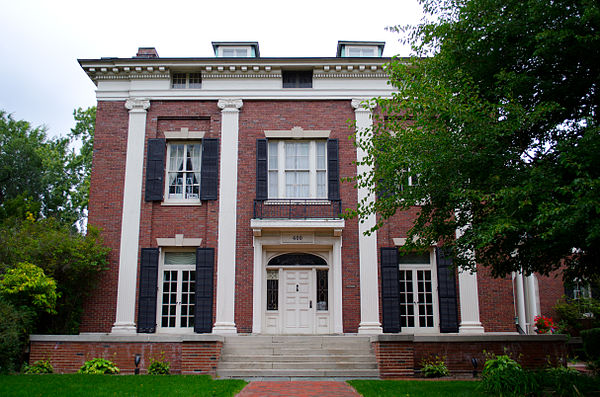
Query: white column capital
[[230, 105], [137, 105], [363, 105]]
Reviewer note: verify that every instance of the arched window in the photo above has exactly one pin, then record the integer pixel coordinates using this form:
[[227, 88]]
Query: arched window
[[297, 260]]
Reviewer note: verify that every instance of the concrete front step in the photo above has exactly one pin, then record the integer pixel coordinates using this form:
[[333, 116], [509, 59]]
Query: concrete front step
[[297, 357], [343, 373], [302, 365]]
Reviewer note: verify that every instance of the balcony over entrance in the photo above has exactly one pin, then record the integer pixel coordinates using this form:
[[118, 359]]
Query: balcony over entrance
[[297, 209]]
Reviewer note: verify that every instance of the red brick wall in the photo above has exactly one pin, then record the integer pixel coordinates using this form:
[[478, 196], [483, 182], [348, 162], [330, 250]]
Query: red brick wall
[[496, 303], [185, 358], [255, 118], [551, 289], [395, 361], [105, 209]]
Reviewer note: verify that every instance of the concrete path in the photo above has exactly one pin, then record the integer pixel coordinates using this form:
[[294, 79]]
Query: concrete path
[[298, 389]]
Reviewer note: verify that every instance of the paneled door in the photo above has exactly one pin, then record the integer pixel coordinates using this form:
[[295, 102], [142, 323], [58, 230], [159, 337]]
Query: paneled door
[[298, 311]]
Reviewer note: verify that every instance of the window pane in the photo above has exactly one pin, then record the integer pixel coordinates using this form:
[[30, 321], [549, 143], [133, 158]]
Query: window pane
[[272, 290], [322, 290], [180, 258], [302, 156], [290, 156], [321, 184], [178, 80], [195, 80], [303, 179], [228, 52], [273, 163], [414, 259], [321, 164], [273, 185], [241, 52]]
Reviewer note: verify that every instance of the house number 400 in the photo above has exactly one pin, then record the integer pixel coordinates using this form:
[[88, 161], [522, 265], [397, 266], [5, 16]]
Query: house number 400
[[297, 237]]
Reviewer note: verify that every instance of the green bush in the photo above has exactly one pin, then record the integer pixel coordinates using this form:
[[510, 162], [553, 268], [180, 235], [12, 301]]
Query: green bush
[[39, 367], [159, 366], [434, 367], [503, 376], [15, 325], [98, 366], [571, 312], [562, 381], [591, 343], [27, 285]]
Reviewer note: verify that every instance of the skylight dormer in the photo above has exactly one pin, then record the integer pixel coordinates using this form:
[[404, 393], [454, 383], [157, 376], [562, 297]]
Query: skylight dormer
[[360, 49], [236, 49]]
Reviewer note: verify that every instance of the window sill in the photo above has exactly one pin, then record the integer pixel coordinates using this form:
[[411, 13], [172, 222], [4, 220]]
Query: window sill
[[305, 201], [181, 203]]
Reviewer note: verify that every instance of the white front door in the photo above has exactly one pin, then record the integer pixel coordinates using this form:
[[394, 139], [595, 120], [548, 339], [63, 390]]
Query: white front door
[[298, 315]]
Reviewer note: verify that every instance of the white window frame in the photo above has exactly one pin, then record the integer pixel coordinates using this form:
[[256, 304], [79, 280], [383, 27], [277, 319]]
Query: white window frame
[[432, 267], [188, 83], [159, 301], [248, 50], [362, 49], [281, 170], [174, 200]]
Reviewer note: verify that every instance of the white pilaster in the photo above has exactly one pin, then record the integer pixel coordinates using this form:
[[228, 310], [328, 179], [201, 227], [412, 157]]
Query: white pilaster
[[130, 219], [520, 301], [338, 326], [257, 308], [225, 321], [469, 297], [532, 305], [367, 245]]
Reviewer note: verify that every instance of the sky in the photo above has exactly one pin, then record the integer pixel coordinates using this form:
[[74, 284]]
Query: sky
[[41, 40]]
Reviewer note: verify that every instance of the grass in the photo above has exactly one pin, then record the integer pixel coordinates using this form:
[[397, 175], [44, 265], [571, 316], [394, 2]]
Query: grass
[[405, 388], [50, 385]]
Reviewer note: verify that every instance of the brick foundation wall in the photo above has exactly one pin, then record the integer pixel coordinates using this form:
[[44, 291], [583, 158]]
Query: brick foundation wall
[[185, 357], [394, 352]]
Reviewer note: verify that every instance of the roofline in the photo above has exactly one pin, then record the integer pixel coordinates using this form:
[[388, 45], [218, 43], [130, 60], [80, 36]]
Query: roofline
[[110, 60]]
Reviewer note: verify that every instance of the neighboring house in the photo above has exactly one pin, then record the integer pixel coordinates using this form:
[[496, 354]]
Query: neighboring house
[[216, 182]]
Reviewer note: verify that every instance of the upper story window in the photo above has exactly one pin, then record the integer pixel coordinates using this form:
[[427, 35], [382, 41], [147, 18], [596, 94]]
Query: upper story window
[[297, 78], [234, 52], [183, 171], [360, 51], [297, 169], [186, 80]]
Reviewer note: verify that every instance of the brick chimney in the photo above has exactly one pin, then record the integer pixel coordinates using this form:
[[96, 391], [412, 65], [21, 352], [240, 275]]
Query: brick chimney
[[146, 52]]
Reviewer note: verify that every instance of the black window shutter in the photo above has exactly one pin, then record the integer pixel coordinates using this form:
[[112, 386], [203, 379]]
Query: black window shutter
[[261, 169], [155, 169], [446, 292], [209, 171], [333, 173], [147, 294], [205, 258], [390, 291]]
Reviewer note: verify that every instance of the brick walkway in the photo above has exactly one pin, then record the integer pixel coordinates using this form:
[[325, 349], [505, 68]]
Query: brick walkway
[[298, 389]]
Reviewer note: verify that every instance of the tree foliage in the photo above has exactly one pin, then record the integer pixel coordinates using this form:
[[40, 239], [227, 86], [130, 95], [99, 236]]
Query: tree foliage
[[27, 285], [71, 259], [42, 175], [496, 122]]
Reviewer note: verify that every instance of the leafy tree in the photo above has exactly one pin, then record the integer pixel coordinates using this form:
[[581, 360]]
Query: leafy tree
[[45, 175], [496, 123], [71, 259], [27, 285]]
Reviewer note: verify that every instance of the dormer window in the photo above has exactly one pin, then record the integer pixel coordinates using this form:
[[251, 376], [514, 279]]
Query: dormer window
[[357, 49], [360, 51], [186, 80], [239, 49]]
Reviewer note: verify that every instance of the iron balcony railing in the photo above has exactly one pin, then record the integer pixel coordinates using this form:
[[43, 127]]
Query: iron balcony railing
[[297, 209]]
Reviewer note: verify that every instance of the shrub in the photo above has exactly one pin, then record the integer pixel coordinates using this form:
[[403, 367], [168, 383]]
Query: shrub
[[159, 366], [571, 312], [98, 366], [15, 324], [27, 285], [39, 367], [503, 376], [434, 367], [564, 381]]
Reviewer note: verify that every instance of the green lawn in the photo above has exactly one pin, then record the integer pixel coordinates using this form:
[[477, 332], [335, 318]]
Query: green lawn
[[116, 385], [406, 388]]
